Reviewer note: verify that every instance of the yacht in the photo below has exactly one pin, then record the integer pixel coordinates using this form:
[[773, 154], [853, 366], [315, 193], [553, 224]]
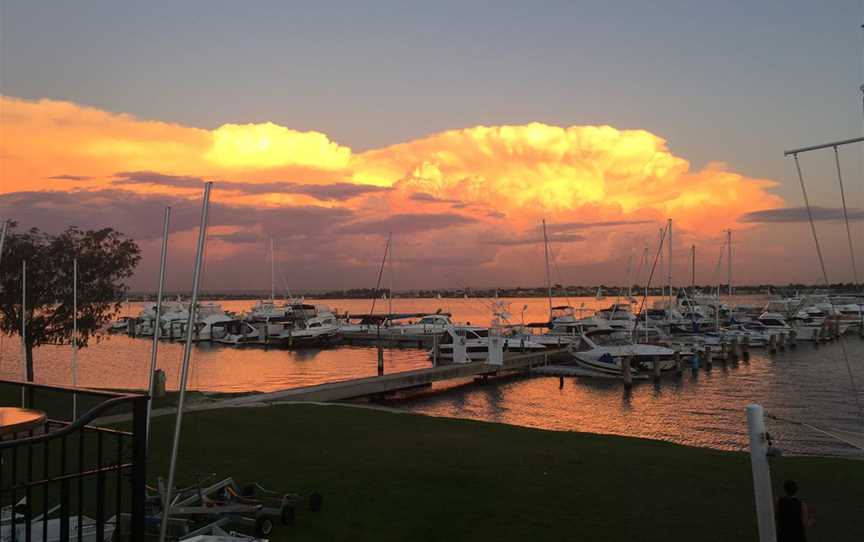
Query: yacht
[[321, 328], [234, 332], [603, 350]]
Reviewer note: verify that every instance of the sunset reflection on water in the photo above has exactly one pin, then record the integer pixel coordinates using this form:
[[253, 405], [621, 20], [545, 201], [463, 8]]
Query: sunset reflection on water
[[703, 408]]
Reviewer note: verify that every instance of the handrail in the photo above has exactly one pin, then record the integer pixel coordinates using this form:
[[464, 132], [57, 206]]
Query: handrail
[[81, 422], [81, 391]]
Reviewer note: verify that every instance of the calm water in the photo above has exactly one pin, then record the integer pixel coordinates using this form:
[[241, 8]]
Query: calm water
[[703, 409]]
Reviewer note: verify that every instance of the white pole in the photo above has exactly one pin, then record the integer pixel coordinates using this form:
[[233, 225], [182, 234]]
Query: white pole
[[75, 337], [761, 473], [23, 327], [184, 369], [151, 387]]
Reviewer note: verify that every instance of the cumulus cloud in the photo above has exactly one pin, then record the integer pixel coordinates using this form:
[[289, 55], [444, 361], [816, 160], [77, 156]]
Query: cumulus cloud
[[469, 195]]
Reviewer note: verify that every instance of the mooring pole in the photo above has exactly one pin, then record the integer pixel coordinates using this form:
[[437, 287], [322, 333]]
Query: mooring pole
[[184, 369], [761, 474], [154, 348]]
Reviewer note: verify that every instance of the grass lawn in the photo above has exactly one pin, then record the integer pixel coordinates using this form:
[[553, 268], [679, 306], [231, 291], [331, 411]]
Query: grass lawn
[[389, 476]]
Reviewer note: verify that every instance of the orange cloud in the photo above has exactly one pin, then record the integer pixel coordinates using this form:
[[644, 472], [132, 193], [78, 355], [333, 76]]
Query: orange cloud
[[486, 182]]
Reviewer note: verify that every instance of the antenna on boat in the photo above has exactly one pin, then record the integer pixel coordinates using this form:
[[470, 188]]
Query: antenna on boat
[[151, 387], [548, 277], [187, 353]]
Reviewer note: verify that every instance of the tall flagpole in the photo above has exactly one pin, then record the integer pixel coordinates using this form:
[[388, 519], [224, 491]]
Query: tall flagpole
[[75, 337], [187, 352], [157, 327]]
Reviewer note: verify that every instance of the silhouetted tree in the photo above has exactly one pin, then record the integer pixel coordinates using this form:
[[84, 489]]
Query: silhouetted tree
[[105, 259]]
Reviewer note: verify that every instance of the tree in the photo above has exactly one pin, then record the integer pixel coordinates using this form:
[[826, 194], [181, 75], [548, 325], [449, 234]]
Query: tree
[[105, 259]]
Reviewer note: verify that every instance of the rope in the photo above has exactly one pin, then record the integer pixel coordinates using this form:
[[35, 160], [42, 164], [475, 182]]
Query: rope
[[846, 216], [831, 434]]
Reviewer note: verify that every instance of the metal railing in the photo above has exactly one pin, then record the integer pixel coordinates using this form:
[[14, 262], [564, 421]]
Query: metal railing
[[68, 480]]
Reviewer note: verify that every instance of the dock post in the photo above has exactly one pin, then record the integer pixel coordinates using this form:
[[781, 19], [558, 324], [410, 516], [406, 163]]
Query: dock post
[[724, 352], [655, 368], [434, 349], [782, 343], [745, 348], [708, 358], [679, 366], [733, 349], [626, 372], [772, 343], [560, 382], [793, 339], [380, 353]]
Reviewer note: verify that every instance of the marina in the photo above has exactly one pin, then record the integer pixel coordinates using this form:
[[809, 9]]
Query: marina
[[701, 407]]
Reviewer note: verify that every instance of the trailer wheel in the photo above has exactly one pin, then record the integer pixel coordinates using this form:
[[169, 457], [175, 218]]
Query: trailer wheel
[[316, 501], [287, 514], [263, 527]]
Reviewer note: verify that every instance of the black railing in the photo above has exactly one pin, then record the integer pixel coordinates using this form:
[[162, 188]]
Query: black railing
[[69, 480]]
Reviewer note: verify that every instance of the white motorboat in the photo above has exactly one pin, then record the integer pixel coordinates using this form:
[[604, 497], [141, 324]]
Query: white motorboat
[[318, 329], [476, 343], [234, 332], [603, 350]]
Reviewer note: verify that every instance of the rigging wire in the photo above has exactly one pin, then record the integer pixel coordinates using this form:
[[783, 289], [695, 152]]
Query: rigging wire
[[653, 268], [846, 216], [827, 284]]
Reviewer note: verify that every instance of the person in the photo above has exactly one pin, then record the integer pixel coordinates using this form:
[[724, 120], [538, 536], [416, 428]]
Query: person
[[793, 517]]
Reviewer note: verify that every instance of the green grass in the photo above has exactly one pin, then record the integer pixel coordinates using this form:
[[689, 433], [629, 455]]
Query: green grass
[[389, 476]]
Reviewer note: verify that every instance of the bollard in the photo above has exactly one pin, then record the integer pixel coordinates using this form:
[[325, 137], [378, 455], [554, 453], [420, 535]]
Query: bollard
[[655, 368], [745, 348], [626, 372], [679, 365], [733, 349], [380, 359], [560, 382], [159, 381]]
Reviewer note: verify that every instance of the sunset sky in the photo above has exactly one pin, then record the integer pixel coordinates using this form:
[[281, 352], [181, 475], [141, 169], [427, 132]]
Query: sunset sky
[[457, 126]]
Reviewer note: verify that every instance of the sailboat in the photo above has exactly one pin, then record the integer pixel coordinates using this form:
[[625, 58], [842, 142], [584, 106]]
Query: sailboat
[[599, 295]]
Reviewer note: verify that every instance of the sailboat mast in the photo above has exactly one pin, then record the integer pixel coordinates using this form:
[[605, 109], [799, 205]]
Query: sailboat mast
[[154, 348], [380, 274], [390, 294], [692, 267], [548, 275], [272, 272], [729, 259], [3, 237], [184, 368], [669, 282]]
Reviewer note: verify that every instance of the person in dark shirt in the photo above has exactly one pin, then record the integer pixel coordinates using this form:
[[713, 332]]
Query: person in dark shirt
[[793, 518]]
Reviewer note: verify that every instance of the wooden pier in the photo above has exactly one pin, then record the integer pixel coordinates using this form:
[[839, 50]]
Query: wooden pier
[[376, 385]]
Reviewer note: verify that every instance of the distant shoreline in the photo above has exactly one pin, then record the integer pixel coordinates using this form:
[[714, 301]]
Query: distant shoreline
[[511, 292]]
